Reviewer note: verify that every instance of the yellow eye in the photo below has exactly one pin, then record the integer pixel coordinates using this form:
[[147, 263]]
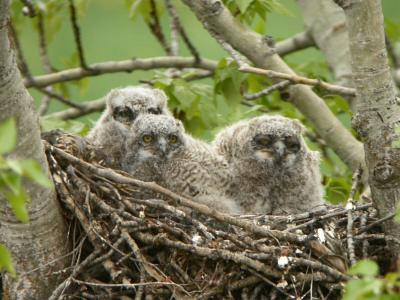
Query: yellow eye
[[147, 138], [173, 139]]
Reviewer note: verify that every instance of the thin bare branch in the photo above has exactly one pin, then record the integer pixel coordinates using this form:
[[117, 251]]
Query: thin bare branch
[[87, 107], [50, 93], [341, 90], [77, 34], [44, 55], [278, 86], [156, 29], [22, 64]]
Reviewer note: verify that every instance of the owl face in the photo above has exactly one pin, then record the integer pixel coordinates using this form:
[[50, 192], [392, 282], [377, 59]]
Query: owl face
[[157, 138], [276, 140], [127, 103]]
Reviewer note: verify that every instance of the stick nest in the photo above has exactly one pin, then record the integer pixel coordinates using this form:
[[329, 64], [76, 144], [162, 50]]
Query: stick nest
[[137, 240]]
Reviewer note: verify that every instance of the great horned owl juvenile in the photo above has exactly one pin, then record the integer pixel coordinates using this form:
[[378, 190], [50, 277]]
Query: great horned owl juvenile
[[123, 105], [158, 149], [274, 171]]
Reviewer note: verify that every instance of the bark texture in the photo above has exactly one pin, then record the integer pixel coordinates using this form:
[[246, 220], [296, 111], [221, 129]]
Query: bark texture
[[378, 112], [219, 21], [38, 247]]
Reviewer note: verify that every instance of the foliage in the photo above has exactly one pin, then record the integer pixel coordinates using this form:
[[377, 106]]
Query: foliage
[[72, 126], [254, 12], [12, 172], [369, 285]]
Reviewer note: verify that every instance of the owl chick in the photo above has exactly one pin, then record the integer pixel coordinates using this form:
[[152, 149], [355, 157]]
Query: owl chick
[[123, 105], [274, 171], [158, 149]]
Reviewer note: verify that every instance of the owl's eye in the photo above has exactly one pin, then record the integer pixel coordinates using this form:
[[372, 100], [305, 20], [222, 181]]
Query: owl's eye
[[292, 144], [172, 139], [263, 140], [147, 138], [123, 114], [154, 111]]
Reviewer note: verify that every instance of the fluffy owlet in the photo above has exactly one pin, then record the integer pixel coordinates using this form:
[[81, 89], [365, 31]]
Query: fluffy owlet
[[158, 149], [274, 171], [123, 105]]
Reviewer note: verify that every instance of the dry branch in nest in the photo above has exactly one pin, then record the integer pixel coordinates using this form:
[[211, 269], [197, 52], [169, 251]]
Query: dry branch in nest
[[136, 240]]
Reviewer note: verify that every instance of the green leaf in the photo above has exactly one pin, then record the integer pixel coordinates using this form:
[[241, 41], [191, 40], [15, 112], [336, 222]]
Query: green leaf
[[364, 267], [363, 289], [8, 135], [12, 181], [32, 169], [6, 261], [243, 5], [17, 201], [14, 165]]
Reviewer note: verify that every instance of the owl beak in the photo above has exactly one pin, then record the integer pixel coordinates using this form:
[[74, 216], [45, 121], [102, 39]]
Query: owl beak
[[280, 150], [162, 146]]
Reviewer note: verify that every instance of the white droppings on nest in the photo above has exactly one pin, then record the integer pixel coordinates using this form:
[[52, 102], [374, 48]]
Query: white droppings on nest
[[298, 251], [283, 261], [321, 235], [267, 227], [349, 206], [282, 284], [197, 240], [299, 232]]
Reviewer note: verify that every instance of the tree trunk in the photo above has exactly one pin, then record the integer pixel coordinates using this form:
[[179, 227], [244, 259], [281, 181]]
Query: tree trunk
[[39, 247], [218, 20], [378, 113]]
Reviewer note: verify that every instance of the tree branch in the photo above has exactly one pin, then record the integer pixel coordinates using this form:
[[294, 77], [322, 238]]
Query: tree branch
[[295, 43], [218, 20], [120, 66]]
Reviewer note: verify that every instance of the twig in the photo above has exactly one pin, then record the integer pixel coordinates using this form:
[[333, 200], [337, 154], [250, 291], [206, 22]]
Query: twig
[[85, 108], [77, 36], [120, 66], [350, 203], [78, 269], [337, 89], [328, 216], [210, 253], [174, 27], [22, 64], [297, 42], [278, 86], [44, 55], [172, 11], [156, 29], [122, 285], [50, 93], [373, 224], [363, 223], [118, 178]]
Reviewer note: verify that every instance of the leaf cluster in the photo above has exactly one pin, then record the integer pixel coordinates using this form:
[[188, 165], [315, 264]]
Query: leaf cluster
[[369, 285]]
